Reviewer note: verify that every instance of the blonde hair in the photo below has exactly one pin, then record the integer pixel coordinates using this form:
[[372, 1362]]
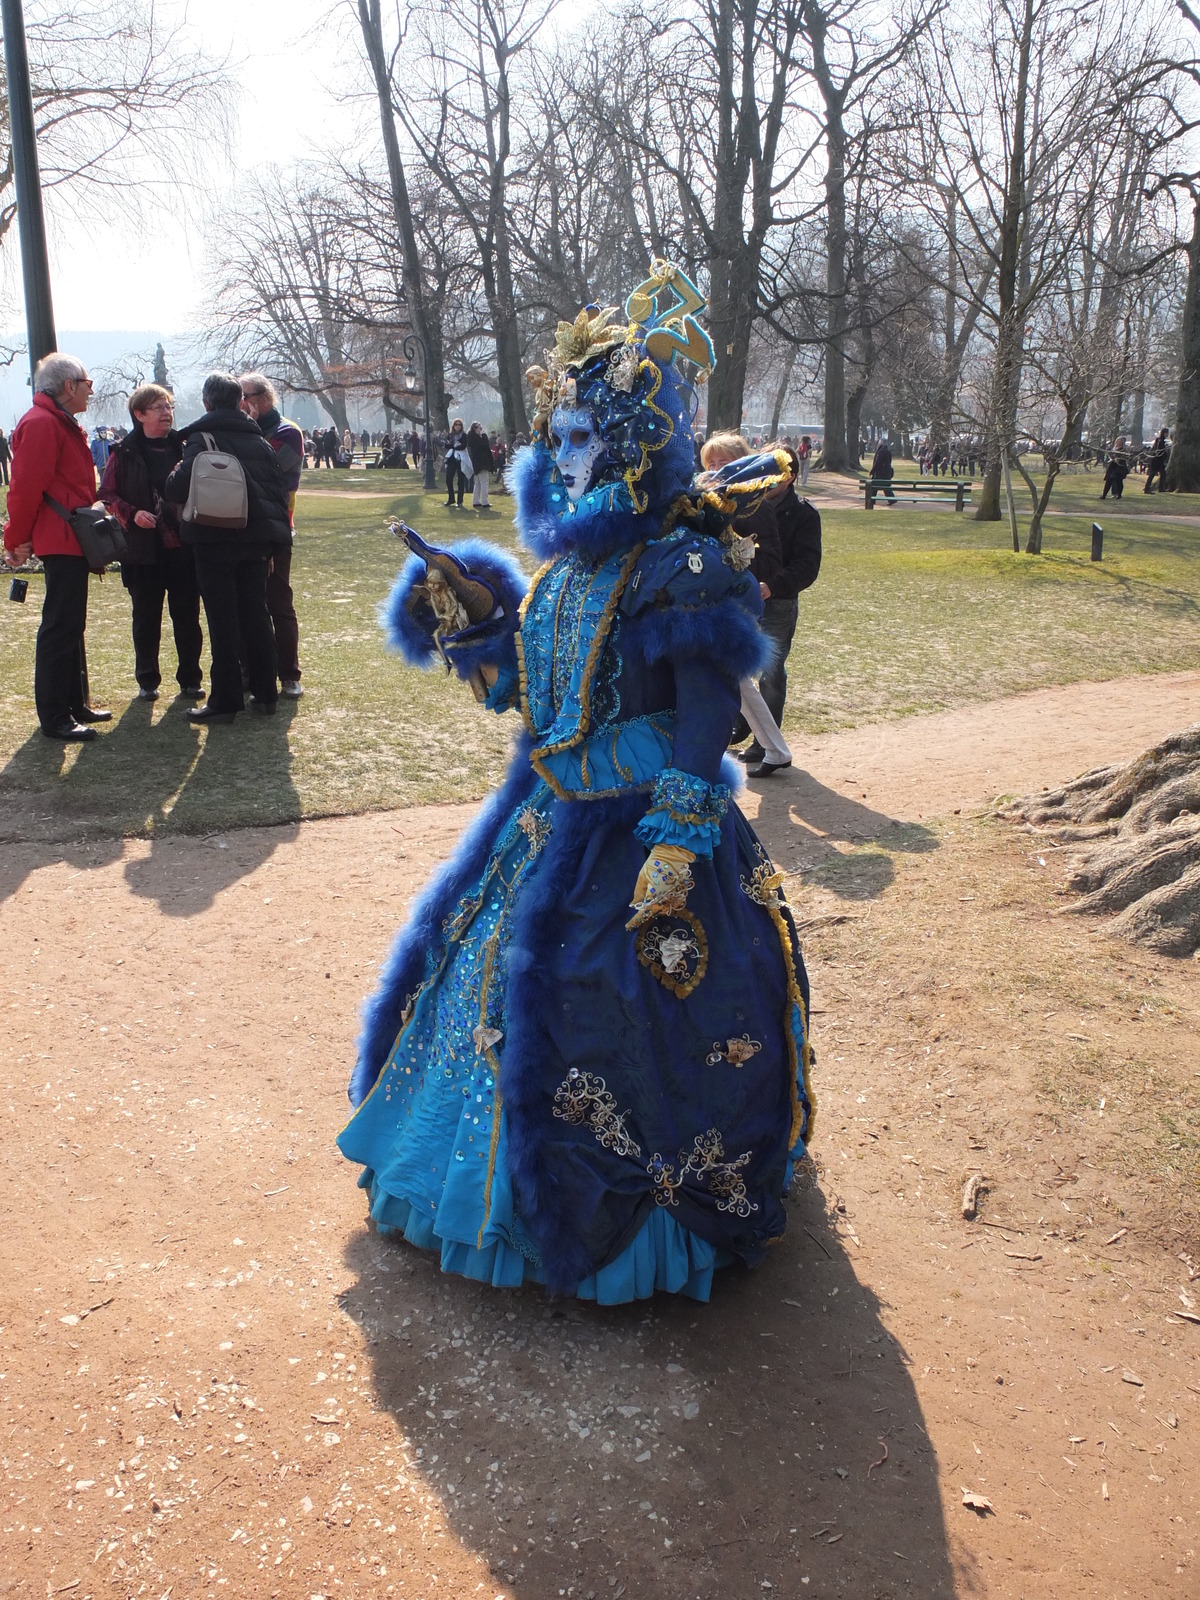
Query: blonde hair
[[146, 395], [727, 446]]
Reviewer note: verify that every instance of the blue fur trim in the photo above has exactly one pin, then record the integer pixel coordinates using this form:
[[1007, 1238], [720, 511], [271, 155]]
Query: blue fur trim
[[733, 774], [411, 637], [529, 999], [404, 633], [726, 634], [421, 935]]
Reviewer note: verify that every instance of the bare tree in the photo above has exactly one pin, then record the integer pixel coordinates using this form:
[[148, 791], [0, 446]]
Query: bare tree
[[458, 113], [109, 89], [382, 54], [287, 295], [853, 51]]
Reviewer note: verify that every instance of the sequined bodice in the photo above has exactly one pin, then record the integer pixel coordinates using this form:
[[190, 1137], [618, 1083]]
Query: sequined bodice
[[565, 615]]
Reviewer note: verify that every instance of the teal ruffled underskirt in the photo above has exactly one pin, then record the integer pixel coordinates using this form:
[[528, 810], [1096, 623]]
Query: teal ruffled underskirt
[[663, 1255]]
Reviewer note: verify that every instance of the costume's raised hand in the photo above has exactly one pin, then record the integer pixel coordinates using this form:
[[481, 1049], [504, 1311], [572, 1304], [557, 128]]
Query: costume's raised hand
[[663, 884], [452, 603]]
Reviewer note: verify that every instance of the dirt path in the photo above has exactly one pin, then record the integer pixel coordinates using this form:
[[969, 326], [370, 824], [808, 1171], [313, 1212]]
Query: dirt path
[[216, 1382]]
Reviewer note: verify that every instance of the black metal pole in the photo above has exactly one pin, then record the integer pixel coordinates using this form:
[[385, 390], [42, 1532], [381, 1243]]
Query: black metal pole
[[430, 482], [1097, 542], [35, 261]]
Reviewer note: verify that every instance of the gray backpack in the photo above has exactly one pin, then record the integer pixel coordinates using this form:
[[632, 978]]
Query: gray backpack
[[217, 494]]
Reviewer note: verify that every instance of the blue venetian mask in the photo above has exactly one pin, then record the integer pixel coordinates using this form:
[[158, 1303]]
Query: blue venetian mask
[[578, 448]]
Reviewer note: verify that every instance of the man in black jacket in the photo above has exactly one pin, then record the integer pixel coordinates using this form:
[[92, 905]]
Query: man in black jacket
[[231, 563], [799, 524]]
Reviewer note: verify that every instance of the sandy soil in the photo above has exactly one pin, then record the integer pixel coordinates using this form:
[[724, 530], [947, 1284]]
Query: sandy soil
[[216, 1381]]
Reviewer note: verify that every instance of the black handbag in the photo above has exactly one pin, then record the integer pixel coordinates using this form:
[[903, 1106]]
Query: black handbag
[[101, 537]]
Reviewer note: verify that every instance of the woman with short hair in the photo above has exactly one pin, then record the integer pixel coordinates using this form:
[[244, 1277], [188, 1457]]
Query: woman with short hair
[[53, 475], [158, 566]]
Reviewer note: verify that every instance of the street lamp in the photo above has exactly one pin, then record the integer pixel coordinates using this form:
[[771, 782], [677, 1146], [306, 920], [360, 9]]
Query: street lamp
[[35, 264], [410, 344]]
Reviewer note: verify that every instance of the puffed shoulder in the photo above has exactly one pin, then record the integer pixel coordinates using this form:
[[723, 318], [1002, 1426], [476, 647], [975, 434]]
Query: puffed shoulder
[[408, 620], [686, 600], [687, 569]]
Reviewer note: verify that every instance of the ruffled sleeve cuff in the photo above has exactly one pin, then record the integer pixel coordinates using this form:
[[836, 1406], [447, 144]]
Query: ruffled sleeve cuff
[[684, 810]]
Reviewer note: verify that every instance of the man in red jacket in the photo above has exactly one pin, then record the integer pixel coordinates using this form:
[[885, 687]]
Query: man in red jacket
[[51, 456]]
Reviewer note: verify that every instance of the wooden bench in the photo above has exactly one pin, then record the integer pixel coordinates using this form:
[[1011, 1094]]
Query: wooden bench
[[937, 491]]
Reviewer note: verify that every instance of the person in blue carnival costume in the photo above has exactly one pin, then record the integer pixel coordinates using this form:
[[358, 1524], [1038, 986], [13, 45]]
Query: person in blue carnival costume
[[548, 1088]]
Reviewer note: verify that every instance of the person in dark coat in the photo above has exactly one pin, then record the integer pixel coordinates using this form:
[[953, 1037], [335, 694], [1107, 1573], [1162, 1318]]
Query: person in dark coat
[[157, 565], [260, 402], [1116, 470], [5, 455], [231, 563], [480, 451], [770, 753], [798, 531], [458, 459], [1156, 461], [881, 468], [51, 456]]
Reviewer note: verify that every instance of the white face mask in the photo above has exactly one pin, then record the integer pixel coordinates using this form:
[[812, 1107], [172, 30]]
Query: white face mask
[[577, 446]]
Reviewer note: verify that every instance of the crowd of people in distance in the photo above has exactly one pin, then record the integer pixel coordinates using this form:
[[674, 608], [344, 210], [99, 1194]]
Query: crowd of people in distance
[[471, 457], [238, 568]]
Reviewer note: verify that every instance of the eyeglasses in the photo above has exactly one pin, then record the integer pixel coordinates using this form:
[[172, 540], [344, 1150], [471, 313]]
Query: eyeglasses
[[162, 405], [84, 379]]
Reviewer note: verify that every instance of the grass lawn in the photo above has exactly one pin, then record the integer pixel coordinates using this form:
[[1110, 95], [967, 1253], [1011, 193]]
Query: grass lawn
[[913, 612]]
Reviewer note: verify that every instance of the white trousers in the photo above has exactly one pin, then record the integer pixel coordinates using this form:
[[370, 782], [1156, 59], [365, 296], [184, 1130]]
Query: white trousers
[[479, 494], [763, 725]]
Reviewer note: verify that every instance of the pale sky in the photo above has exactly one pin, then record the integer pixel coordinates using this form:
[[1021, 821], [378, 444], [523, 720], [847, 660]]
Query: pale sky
[[293, 60], [289, 60]]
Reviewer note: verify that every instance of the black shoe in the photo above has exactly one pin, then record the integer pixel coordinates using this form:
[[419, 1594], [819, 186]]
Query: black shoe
[[70, 731], [88, 715], [267, 707], [194, 691], [147, 694], [752, 754], [207, 713], [768, 769]]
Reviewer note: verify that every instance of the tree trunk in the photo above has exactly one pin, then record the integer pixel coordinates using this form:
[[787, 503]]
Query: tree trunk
[[1137, 423], [834, 455], [789, 366], [426, 327], [1009, 332], [1183, 470]]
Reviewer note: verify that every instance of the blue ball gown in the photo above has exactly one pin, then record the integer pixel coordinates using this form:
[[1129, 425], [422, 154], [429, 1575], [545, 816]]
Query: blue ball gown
[[542, 1095]]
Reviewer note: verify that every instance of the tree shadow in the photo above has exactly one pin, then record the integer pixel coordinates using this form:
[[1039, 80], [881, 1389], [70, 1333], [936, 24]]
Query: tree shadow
[[833, 840], [665, 1448], [160, 779]]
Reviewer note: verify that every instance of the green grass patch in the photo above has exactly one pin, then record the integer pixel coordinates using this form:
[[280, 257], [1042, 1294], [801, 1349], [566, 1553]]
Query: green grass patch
[[913, 612]]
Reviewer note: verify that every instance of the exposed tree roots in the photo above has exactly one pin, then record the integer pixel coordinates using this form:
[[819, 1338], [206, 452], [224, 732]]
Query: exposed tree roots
[[1139, 831]]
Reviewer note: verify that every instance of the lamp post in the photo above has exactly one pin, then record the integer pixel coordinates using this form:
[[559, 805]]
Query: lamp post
[[410, 345], [35, 263]]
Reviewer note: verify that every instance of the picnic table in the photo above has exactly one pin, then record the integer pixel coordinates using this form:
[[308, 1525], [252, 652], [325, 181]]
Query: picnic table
[[935, 490]]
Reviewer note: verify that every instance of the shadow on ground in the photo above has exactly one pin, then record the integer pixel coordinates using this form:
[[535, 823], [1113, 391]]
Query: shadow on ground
[[832, 839], [666, 1449], [161, 780]]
